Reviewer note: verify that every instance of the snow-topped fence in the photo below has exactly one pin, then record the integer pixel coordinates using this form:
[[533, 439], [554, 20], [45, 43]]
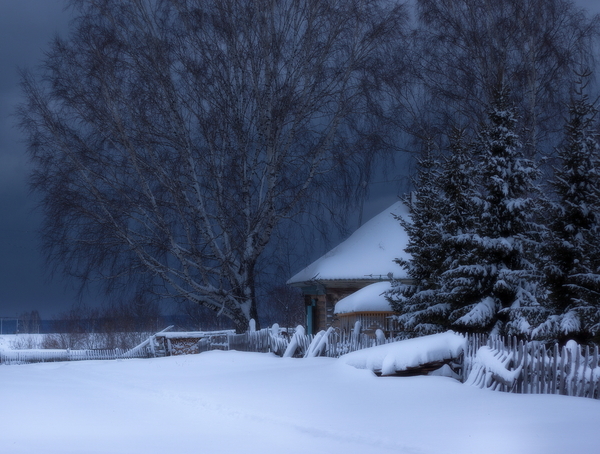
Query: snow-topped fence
[[12, 357], [283, 342], [512, 366], [279, 341], [532, 368], [147, 349], [494, 363]]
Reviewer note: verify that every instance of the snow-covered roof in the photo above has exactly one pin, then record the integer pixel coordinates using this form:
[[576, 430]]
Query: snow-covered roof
[[368, 252], [368, 299]]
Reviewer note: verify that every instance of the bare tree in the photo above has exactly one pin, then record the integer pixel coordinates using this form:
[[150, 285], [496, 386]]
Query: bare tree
[[284, 305], [171, 137], [30, 322], [470, 47]]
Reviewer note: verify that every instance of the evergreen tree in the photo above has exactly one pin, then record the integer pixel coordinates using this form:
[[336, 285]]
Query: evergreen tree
[[459, 182], [491, 282], [441, 208], [571, 253], [416, 304]]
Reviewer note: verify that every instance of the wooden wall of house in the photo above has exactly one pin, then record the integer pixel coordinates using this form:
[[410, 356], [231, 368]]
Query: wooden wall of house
[[316, 307], [323, 306], [370, 322]]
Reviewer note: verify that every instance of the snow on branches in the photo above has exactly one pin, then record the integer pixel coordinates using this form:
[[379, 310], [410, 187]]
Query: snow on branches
[[478, 210]]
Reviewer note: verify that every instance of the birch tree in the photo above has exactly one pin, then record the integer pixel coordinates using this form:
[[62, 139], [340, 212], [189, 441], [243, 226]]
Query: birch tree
[[470, 47], [171, 137]]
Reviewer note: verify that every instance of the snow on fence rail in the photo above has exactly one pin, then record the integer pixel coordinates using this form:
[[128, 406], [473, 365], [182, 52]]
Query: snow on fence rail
[[12, 357], [332, 344], [532, 368], [495, 363]]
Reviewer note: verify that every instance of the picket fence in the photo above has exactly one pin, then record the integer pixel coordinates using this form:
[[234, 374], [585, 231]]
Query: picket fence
[[493, 362], [263, 341], [14, 357], [497, 363], [515, 366], [335, 344]]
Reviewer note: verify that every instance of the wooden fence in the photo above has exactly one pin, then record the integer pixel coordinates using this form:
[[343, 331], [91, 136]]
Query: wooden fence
[[13, 357], [334, 343], [515, 366], [495, 363], [341, 342]]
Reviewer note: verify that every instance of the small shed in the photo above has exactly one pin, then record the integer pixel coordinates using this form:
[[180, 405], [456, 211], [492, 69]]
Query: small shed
[[365, 258]]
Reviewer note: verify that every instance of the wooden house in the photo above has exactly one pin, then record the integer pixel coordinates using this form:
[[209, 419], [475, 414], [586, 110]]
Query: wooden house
[[363, 259]]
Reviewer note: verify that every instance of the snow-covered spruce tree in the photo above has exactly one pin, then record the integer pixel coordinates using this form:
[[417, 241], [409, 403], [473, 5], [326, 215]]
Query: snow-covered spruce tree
[[440, 208], [458, 181], [416, 304], [571, 249], [491, 282]]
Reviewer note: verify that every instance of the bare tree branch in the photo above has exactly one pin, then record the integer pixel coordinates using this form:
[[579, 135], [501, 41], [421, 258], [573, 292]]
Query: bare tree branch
[[171, 137]]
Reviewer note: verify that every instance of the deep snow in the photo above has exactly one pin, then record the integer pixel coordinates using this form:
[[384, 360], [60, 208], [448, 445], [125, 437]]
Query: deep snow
[[231, 402], [398, 356]]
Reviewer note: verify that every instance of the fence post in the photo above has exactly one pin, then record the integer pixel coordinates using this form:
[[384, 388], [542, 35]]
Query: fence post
[[595, 382], [575, 379], [520, 359], [555, 373], [542, 368], [584, 358]]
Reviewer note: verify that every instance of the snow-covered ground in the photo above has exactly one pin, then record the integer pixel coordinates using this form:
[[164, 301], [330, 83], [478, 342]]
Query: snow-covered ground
[[232, 402], [20, 341]]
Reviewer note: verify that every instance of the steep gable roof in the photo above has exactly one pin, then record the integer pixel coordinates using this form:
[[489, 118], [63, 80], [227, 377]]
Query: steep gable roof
[[368, 253]]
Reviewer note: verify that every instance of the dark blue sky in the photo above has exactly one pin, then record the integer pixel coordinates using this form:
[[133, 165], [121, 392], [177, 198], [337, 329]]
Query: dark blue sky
[[26, 26]]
